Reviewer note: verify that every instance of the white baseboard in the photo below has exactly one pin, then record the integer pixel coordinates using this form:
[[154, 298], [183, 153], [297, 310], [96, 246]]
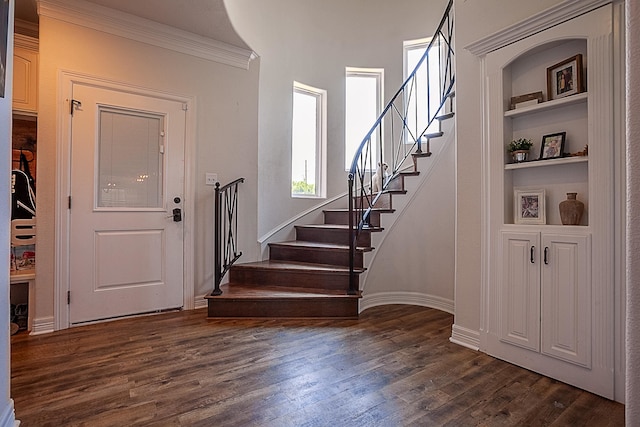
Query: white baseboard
[[200, 302], [409, 298], [42, 325], [465, 337], [8, 416]]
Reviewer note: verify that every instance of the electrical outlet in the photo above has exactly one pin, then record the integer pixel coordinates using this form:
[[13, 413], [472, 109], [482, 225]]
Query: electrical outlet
[[211, 178]]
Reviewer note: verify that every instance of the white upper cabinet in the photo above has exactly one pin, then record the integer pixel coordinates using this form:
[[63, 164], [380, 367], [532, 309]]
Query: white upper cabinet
[[25, 75]]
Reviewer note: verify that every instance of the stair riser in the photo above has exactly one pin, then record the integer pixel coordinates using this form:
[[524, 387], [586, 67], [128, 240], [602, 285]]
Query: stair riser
[[284, 308], [384, 202], [396, 184], [314, 255], [343, 218], [290, 278], [327, 235]]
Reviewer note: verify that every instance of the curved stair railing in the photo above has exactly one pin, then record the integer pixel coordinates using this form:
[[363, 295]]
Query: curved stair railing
[[225, 250], [399, 133]]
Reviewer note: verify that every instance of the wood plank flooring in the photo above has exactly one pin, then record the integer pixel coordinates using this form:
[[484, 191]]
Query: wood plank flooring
[[392, 367]]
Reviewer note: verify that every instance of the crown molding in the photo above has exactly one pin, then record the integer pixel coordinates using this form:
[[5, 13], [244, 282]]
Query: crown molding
[[132, 27], [25, 42], [563, 11]]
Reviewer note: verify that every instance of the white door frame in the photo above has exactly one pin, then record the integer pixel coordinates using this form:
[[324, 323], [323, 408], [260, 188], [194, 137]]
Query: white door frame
[[66, 81]]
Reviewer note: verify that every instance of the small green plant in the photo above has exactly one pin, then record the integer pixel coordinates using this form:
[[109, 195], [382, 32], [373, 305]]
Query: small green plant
[[302, 188], [519, 144]]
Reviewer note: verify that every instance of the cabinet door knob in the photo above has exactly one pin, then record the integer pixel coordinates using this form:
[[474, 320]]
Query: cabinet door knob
[[546, 251], [533, 248]]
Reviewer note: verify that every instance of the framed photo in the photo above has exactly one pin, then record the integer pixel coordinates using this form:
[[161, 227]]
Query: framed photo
[[552, 145], [565, 78], [530, 207]]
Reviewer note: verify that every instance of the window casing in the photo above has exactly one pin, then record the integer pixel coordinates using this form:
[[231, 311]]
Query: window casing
[[308, 142], [363, 103]]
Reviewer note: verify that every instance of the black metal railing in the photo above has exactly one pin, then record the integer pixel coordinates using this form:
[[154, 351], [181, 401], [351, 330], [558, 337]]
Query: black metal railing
[[225, 243], [401, 129]]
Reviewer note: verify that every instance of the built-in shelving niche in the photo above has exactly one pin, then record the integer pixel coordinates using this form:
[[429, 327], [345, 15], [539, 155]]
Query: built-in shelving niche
[[527, 74]]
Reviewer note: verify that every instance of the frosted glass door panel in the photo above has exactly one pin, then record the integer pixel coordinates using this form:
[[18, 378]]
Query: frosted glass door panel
[[129, 160]]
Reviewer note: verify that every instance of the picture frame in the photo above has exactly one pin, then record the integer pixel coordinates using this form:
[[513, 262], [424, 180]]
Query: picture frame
[[530, 206], [552, 145], [565, 78]]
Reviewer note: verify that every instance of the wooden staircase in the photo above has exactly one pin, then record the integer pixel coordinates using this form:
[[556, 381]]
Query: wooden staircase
[[307, 277]]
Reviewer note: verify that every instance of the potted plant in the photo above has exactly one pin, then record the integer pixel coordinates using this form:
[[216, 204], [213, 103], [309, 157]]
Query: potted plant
[[519, 149]]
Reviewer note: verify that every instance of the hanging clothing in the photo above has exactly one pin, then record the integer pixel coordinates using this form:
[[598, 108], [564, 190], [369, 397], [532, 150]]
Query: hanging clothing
[[23, 198]]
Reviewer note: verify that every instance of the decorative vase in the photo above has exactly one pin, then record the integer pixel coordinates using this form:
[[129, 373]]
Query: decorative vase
[[571, 210], [520, 155]]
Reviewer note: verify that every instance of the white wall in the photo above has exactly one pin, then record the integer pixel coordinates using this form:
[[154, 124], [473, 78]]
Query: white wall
[[415, 261], [312, 42], [225, 132], [7, 416], [633, 213]]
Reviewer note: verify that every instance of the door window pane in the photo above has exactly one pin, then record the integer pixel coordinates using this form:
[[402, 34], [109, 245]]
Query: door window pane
[[129, 159]]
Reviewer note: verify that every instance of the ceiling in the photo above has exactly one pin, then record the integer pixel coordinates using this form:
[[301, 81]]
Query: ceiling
[[207, 18]]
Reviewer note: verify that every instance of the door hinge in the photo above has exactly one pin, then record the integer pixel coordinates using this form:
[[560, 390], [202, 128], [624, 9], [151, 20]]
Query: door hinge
[[69, 202], [68, 297], [185, 106], [73, 104]]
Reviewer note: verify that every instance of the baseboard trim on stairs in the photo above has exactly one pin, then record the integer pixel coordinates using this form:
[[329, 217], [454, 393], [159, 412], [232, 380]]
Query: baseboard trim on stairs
[[409, 298]]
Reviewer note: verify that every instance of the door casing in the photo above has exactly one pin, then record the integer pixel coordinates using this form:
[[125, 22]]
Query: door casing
[[63, 181]]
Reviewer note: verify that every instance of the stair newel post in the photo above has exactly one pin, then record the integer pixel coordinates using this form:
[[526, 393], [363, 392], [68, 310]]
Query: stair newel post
[[217, 243], [352, 239]]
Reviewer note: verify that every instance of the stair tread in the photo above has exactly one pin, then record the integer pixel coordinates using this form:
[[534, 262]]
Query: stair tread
[[319, 245], [424, 154], [434, 134], [335, 226], [410, 173], [239, 290], [296, 266], [381, 210], [445, 116]]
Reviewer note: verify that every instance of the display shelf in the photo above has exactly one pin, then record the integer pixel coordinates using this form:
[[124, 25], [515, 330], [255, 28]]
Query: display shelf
[[549, 105], [547, 162]]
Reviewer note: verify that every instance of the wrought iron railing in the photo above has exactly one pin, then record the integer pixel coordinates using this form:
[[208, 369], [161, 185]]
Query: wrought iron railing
[[225, 243], [401, 129]]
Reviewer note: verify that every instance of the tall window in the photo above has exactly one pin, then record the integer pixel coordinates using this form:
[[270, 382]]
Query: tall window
[[363, 103], [425, 94], [308, 141]]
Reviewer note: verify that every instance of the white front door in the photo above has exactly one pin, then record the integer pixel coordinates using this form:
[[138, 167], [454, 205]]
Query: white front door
[[127, 181]]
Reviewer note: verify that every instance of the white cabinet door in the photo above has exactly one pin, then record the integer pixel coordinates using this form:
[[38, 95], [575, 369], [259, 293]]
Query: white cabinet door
[[545, 294], [25, 80], [566, 298], [520, 290]]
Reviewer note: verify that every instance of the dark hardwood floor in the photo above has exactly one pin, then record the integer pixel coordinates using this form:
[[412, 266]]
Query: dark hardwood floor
[[393, 367]]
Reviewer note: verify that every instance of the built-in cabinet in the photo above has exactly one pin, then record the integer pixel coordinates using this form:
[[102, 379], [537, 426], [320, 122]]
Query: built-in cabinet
[[24, 158], [546, 294], [549, 287]]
